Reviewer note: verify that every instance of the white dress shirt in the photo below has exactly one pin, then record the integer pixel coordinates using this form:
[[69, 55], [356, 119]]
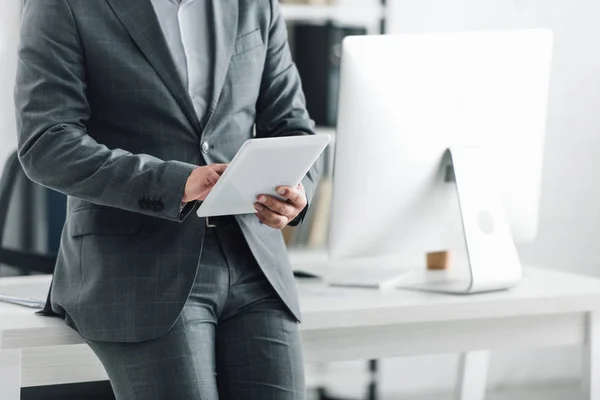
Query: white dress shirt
[[185, 27]]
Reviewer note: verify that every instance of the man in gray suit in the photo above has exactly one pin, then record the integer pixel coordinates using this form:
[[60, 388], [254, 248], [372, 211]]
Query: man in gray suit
[[133, 108]]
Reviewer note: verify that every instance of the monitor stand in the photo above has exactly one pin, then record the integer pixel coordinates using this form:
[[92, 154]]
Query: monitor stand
[[492, 256]]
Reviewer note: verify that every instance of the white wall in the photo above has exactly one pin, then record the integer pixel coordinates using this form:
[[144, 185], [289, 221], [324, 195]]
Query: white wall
[[570, 209], [570, 216], [9, 20]]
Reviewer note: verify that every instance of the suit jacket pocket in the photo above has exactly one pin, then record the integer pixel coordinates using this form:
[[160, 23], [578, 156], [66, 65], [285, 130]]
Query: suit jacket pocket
[[248, 42], [107, 221]]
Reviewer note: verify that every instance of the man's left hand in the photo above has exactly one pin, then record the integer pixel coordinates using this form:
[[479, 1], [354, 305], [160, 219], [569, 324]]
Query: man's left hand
[[277, 213]]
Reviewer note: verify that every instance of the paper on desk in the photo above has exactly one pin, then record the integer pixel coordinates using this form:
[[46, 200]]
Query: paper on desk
[[22, 301]]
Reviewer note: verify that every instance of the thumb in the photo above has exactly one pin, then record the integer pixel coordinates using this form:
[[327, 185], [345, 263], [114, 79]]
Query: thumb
[[210, 178]]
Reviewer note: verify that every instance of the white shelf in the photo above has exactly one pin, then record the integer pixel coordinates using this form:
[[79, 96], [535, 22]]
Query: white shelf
[[367, 14]]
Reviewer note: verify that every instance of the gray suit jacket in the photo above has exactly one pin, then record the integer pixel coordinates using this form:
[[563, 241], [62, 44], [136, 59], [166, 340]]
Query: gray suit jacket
[[103, 117]]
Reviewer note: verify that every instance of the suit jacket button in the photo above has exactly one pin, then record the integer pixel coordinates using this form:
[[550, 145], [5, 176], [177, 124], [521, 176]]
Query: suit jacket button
[[143, 203], [205, 147], [158, 206]]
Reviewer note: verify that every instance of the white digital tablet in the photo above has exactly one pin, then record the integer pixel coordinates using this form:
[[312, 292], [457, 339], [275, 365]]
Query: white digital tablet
[[259, 167]]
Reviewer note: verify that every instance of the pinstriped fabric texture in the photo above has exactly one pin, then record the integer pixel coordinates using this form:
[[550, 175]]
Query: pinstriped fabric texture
[[235, 339], [104, 117]]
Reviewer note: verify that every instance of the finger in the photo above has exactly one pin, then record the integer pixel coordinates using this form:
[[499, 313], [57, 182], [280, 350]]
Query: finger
[[219, 168], [211, 177], [276, 205], [261, 218], [270, 218], [296, 196]]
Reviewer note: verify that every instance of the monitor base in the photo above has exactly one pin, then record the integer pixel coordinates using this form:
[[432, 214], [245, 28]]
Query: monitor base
[[492, 256]]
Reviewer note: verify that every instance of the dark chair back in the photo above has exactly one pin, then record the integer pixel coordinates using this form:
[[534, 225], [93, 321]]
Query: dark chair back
[[25, 261]]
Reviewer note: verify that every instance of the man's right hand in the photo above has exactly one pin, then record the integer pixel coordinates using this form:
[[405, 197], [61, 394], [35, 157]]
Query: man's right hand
[[201, 181]]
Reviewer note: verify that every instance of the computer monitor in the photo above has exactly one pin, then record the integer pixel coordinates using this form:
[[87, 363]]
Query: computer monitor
[[439, 146]]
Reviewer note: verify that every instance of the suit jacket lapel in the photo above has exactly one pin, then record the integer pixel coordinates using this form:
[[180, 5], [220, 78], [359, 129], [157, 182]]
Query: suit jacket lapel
[[139, 19], [223, 21]]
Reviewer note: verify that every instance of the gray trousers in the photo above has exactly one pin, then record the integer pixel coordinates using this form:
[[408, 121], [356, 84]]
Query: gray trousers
[[234, 339]]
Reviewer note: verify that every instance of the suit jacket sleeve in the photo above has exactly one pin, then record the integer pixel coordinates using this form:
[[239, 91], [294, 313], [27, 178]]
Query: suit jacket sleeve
[[52, 110], [281, 107]]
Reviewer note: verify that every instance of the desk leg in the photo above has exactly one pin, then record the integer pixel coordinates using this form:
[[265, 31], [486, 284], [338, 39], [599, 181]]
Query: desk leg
[[591, 358], [472, 375], [10, 374]]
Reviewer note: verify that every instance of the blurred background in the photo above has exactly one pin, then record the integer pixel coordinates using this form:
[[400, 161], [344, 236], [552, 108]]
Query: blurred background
[[570, 206]]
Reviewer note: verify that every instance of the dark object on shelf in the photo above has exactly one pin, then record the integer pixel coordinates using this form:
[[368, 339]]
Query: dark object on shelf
[[26, 261], [317, 51]]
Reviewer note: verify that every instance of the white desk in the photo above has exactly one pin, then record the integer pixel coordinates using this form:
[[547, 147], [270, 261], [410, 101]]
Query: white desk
[[547, 309]]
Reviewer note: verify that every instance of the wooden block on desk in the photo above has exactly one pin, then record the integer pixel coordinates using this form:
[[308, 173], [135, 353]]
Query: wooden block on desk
[[439, 260]]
